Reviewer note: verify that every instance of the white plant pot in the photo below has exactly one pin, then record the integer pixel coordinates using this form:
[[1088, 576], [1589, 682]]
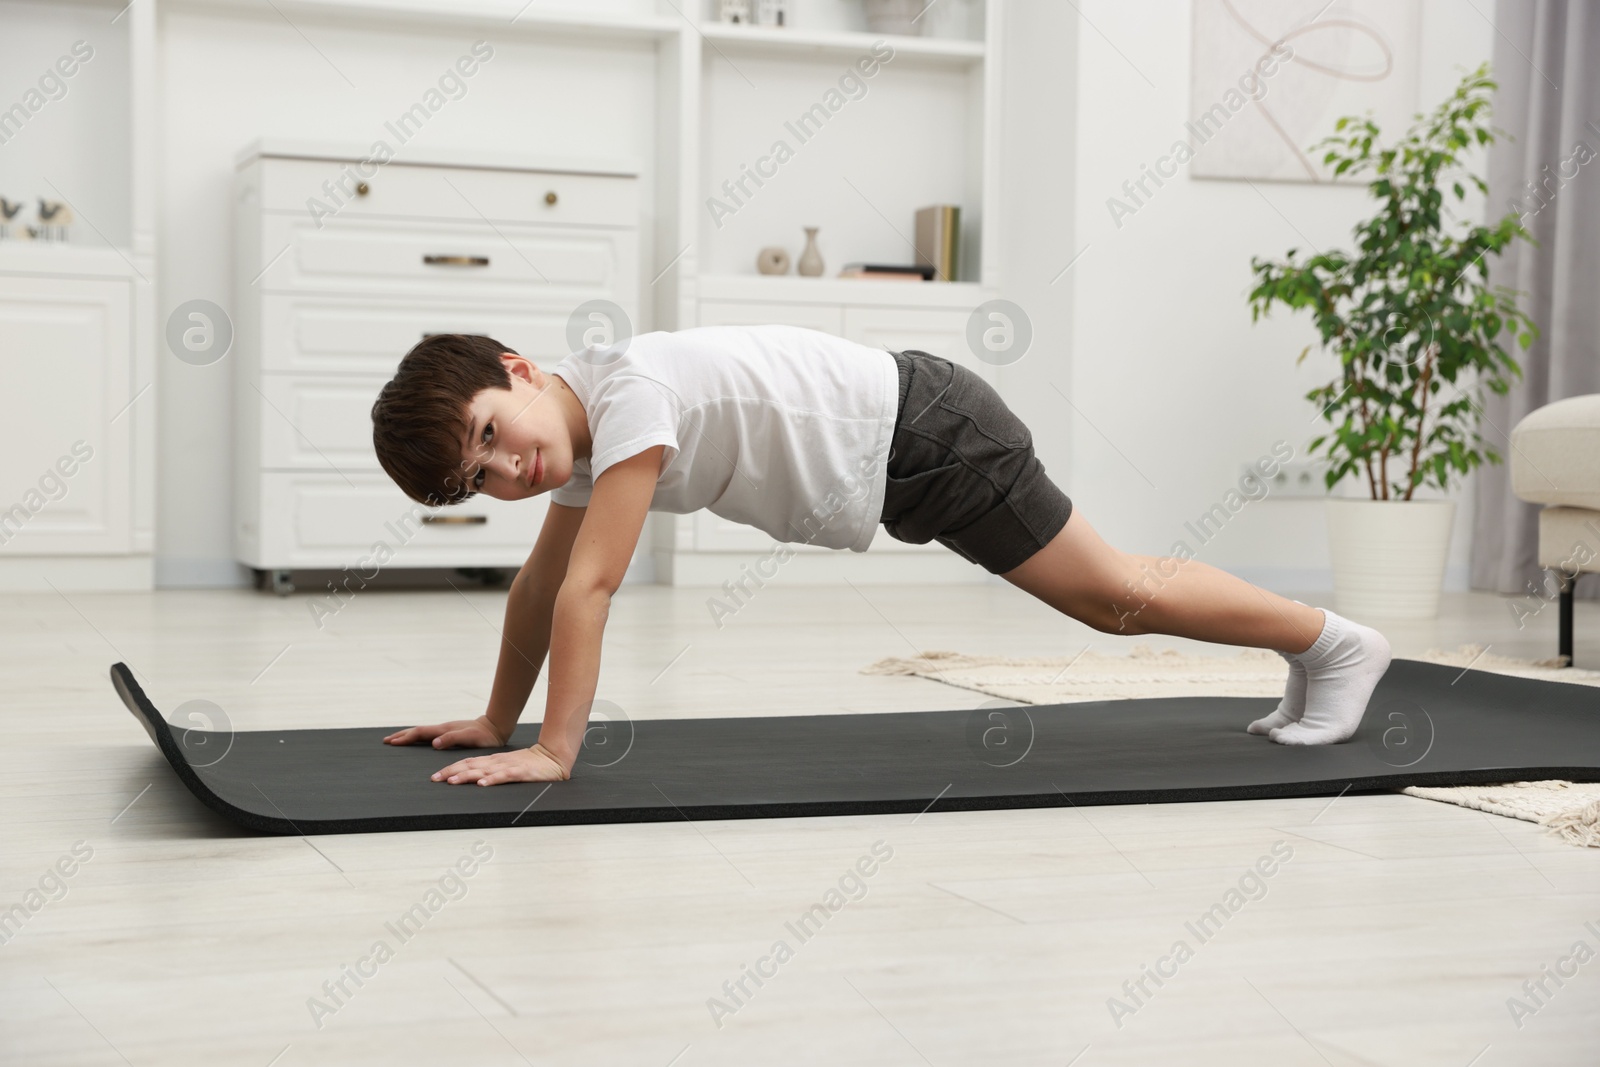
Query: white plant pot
[[1389, 556]]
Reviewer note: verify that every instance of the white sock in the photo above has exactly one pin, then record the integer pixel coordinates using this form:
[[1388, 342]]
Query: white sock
[[1343, 667], [1293, 704]]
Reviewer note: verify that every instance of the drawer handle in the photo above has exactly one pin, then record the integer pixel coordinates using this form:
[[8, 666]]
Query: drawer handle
[[454, 520], [550, 197], [456, 261]]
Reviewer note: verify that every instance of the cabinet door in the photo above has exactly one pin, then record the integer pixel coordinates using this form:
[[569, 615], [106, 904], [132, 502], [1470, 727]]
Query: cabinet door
[[66, 459], [939, 331], [713, 533], [825, 317]]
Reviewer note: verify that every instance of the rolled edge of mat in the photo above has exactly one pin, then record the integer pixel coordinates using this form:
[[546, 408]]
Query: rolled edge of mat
[[160, 731]]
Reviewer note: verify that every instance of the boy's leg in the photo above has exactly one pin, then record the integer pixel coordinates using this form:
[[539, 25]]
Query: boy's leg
[[1117, 592]]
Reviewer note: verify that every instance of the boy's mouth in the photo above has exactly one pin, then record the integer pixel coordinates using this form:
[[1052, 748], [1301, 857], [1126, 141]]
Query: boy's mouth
[[535, 470]]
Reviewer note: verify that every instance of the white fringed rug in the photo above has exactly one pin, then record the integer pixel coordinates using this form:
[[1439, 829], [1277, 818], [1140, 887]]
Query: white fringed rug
[[1569, 809]]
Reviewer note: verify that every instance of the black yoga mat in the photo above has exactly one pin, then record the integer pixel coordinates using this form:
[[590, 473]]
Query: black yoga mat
[[1426, 724]]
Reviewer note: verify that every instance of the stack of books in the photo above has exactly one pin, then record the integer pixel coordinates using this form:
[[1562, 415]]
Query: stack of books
[[938, 248], [938, 239], [890, 271]]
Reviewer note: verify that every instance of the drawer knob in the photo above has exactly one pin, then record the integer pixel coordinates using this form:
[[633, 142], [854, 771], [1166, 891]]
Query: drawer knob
[[550, 197], [362, 188], [454, 520], [456, 261]]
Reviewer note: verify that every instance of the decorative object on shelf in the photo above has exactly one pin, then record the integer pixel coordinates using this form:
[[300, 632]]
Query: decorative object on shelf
[[1409, 309], [772, 12], [54, 218], [772, 260], [938, 239], [810, 259], [734, 11], [895, 16], [894, 272], [9, 228]]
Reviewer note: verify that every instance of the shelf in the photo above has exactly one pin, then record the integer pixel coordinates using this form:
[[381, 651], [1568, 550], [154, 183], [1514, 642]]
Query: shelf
[[831, 290], [498, 15], [350, 152], [70, 260], [952, 51]]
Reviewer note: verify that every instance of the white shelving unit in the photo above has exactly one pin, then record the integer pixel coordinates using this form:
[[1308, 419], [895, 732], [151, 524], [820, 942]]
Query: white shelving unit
[[945, 127], [77, 319]]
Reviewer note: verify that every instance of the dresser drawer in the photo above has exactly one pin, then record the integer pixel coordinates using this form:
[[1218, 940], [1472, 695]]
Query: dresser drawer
[[399, 190], [305, 334], [449, 260], [319, 423], [321, 520]]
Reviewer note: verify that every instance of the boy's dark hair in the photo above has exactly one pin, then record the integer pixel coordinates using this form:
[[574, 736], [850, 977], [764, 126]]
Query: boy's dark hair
[[420, 416]]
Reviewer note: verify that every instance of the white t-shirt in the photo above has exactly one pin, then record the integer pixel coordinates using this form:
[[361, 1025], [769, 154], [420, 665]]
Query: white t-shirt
[[778, 427]]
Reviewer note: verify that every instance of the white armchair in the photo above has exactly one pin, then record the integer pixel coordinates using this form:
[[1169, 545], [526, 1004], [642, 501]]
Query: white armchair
[[1555, 461]]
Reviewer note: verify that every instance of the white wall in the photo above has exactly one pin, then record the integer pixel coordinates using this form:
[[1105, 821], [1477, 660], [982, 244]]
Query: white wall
[[1175, 387]]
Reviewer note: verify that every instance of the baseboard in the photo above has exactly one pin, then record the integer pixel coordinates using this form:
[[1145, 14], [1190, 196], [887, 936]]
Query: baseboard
[[1320, 579], [76, 574], [745, 570], [201, 572]]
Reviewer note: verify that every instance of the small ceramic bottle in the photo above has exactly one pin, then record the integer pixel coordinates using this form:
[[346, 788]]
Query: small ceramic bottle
[[810, 260]]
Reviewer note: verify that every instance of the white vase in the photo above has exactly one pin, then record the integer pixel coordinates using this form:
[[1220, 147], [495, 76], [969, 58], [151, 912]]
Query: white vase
[[1389, 556], [810, 259]]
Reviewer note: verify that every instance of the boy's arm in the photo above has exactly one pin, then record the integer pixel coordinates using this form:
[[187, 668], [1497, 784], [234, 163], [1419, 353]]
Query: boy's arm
[[526, 637], [524, 640], [605, 543], [605, 546]]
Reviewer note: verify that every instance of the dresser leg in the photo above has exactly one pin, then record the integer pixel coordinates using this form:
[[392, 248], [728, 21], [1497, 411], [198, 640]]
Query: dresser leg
[[1568, 581]]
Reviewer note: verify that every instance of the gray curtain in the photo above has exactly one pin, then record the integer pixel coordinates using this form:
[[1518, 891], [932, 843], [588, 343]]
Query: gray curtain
[[1545, 58]]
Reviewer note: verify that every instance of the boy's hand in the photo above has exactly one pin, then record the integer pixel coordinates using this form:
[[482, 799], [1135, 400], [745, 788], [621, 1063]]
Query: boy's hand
[[463, 733], [534, 764]]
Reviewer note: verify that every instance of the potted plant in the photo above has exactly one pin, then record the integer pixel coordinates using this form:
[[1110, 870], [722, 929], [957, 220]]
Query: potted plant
[[1419, 333]]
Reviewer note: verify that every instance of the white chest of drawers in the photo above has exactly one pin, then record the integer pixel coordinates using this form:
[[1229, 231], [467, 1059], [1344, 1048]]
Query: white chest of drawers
[[329, 298]]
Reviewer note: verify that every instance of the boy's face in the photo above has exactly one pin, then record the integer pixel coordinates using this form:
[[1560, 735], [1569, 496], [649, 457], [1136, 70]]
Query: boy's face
[[517, 443]]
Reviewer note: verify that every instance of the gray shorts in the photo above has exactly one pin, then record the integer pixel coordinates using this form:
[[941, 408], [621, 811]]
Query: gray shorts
[[962, 469]]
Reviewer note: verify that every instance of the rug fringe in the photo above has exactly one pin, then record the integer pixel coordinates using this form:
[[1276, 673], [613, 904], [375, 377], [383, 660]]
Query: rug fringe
[[1580, 826]]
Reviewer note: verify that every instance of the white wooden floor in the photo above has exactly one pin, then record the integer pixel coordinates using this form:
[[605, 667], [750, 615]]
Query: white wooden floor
[[1395, 932]]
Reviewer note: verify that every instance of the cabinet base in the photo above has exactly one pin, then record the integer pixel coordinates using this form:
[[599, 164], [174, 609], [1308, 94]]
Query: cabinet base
[[76, 574]]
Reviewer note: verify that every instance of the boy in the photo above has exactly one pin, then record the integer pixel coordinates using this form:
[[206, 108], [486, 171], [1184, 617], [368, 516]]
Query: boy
[[809, 437]]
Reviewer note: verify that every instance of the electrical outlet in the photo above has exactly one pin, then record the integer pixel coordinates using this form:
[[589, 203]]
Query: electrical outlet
[[1298, 478]]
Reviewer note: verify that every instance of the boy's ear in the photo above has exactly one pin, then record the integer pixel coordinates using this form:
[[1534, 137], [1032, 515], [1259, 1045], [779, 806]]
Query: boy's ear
[[518, 366]]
